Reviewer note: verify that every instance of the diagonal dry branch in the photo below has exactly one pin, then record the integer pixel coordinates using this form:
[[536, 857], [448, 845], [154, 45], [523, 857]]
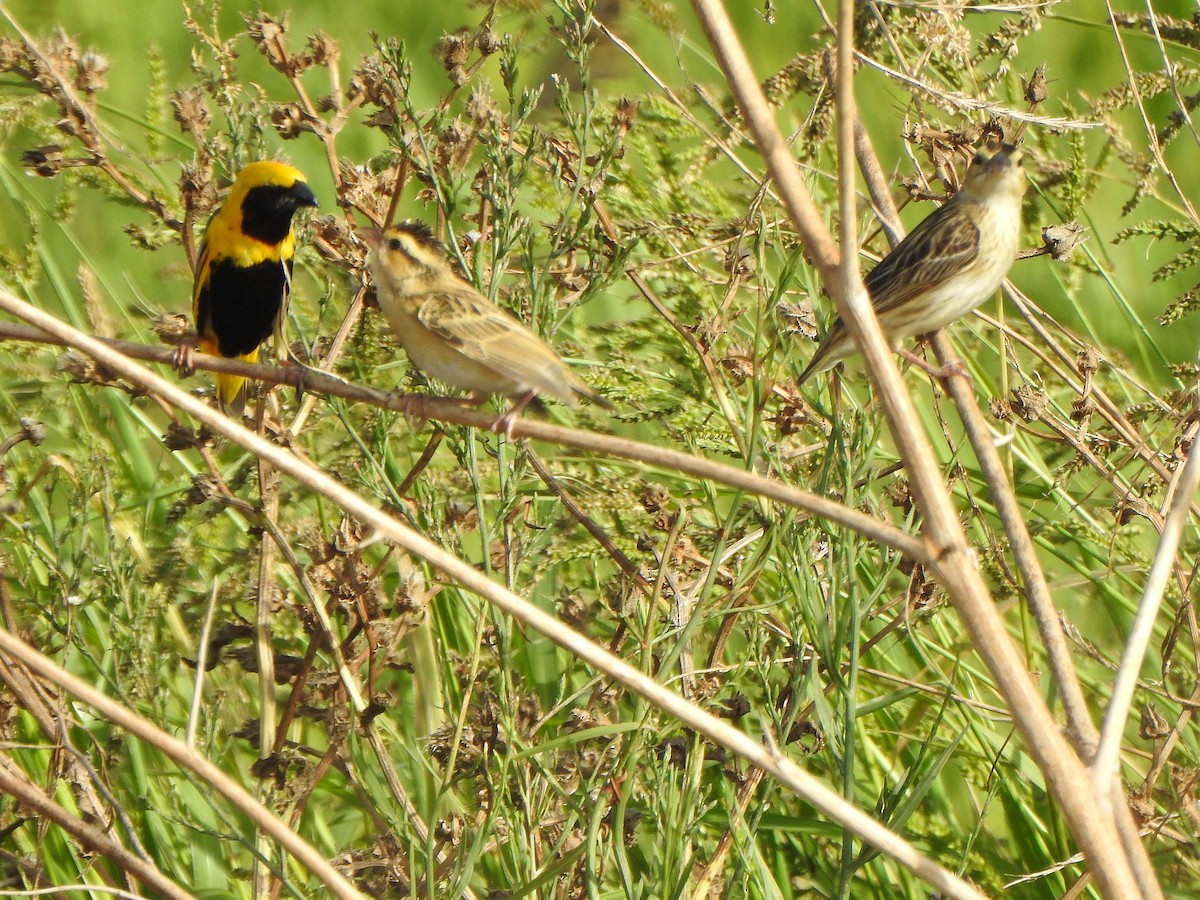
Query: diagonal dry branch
[[765, 756], [175, 749], [95, 838]]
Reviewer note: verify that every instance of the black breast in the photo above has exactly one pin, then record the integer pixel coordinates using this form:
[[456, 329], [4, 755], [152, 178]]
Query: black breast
[[244, 304]]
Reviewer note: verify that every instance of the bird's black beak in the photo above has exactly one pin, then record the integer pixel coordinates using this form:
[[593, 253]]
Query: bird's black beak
[[302, 195]]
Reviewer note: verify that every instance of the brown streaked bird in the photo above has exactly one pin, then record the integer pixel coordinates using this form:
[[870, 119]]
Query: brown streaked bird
[[454, 333], [948, 265], [244, 274]]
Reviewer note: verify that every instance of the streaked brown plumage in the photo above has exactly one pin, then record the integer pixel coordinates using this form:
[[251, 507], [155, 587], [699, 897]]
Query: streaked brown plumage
[[454, 333], [948, 265]]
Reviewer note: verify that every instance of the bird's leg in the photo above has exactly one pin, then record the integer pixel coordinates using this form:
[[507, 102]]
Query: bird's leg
[[183, 359], [504, 424], [289, 360], [302, 372], [950, 369]]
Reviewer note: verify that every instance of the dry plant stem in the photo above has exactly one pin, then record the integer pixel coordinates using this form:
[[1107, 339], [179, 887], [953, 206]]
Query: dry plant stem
[[1081, 729], [683, 108], [728, 409], [971, 104], [771, 145], [426, 407], [766, 757], [1088, 815], [1105, 406], [877, 185], [1169, 71], [268, 489], [91, 837], [335, 350], [193, 724], [1037, 593], [178, 751], [702, 889], [1105, 766]]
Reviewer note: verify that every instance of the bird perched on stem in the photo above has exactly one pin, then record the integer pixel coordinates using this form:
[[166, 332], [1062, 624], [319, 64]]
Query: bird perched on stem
[[457, 335], [244, 275], [948, 265]]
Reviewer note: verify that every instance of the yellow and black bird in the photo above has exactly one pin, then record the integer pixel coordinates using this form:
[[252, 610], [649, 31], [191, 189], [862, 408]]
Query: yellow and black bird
[[244, 275], [457, 335]]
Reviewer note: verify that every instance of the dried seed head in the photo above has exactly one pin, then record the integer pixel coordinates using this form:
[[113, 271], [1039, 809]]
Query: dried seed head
[[34, 431], [172, 329], [62, 53], [91, 73], [370, 79], [625, 114], [739, 367], [1153, 725], [13, 57], [289, 120], [797, 318], [739, 261], [1035, 88], [1029, 402], [180, 437], [454, 51], [196, 188], [267, 34], [481, 108], [323, 50], [654, 497], [1060, 241], [190, 111], [487, 42], [46, 161], [793, 414]]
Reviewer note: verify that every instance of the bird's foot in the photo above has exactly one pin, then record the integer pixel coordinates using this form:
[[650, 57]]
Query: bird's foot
[[184, 359], [504, 425], [954, 368], [302, 373]]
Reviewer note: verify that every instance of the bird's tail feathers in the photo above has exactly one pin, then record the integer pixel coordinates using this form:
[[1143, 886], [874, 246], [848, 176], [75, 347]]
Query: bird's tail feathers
[[233, 390], [596, 397]]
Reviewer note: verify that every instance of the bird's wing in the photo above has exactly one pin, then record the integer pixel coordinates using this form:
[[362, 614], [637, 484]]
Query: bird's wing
[[490, 336], [199, 289], [940, 247]]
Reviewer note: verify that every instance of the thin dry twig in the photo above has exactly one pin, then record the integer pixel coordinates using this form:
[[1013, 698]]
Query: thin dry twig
[[89, 836], [973, 104], [1177, 515]]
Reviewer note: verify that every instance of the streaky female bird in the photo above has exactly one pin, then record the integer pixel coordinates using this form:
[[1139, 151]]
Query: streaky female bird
[[457, 335], [244, 274], [948, 265]]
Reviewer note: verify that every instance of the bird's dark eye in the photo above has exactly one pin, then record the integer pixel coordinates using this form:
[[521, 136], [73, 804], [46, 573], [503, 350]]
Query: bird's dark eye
[[980, 157], [395, 244]]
